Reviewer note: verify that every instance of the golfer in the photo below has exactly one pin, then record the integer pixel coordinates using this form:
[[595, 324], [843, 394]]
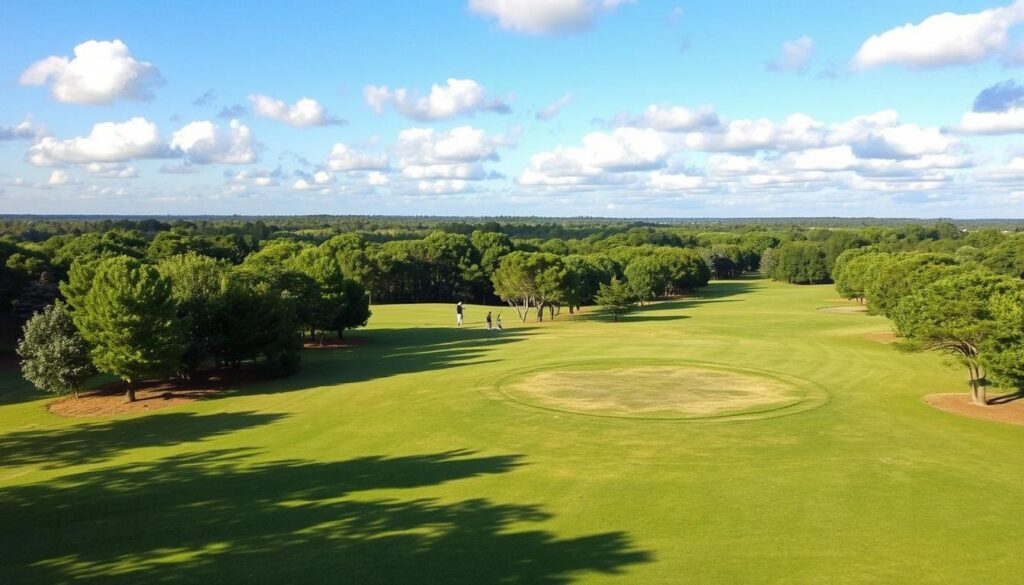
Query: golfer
[[488, 320], [458, 314]]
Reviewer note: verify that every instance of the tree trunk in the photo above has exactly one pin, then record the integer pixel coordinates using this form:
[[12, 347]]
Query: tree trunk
[[340, 334], [978, 396], [129, 394], [321, 338]]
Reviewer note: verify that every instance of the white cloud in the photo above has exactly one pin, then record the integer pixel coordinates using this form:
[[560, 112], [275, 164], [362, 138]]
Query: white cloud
[[304, 113], [99, 73], [442, 187], [427, 146], [23, 131], [58, 178], [795, 131], [750, 157], [1006, 122], [443, 162], [796, 54], [204, 142], [108, 142], [255, 178], [458, 97], [669, 118], [377, 179], [111, 170], [675, 182], [343, 158], [942, 40], [543, 17], [622, 150], [551, 110]]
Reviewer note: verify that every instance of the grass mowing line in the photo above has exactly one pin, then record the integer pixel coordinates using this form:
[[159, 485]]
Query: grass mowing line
[[810, 396]]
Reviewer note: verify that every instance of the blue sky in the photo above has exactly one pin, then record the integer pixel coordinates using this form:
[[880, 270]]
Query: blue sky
[[513, 107]]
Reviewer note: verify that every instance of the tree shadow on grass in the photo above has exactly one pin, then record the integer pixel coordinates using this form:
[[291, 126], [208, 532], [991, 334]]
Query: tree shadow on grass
[[392, 352], [95, 442], [216, 517]]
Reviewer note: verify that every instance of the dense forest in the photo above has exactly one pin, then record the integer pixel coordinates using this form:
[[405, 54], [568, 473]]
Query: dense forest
[[156, 296]]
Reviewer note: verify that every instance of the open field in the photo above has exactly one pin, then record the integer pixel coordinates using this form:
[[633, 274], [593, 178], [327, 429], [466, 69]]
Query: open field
[[416, 458]]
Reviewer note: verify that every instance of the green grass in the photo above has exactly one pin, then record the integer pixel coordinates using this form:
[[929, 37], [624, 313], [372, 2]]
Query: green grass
[[397, 462]]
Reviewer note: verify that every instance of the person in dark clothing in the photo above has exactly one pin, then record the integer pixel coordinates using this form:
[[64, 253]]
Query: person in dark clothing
[[458, 314], [488, 320]]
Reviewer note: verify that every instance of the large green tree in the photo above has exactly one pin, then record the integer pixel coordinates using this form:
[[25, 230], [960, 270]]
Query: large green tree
[[54, 357], [971, 316], [131, 321], [196, 287]]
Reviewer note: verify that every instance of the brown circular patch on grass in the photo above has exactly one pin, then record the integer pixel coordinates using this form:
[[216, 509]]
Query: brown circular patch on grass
[[150, 395], [1006, 409], [660, 392]]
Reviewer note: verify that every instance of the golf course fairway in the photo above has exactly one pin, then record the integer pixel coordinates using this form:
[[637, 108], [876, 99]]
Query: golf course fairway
[[739, 436]]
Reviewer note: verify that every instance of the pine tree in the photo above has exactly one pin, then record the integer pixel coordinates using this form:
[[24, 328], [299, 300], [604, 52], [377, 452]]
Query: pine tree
[[616, 299], [132, 322]]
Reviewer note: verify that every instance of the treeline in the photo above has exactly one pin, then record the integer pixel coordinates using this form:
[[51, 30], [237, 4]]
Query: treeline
[[422, 260], [813, 259], [969, 304], [136, 320]]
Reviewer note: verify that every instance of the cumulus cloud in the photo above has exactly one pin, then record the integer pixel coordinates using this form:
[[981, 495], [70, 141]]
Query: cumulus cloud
[[99, 73], [302, 114], [58, 178], [1006, 122], [458, 97], [657, 155], [795, 131], [942, 40], [668, 118], [23, 131], [623, 149], [377, 179], [551, 110], [204, 142], [259, 178], [796, 55], [111, 170], [108, 142], [443, 162], [344, 158], [543, 17]]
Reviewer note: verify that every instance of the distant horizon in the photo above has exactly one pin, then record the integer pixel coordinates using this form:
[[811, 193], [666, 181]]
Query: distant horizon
[[548, 108], [509, 218]]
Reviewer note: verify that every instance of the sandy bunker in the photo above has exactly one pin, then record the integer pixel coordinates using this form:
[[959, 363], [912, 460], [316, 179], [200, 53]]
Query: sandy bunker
[[654, 391]]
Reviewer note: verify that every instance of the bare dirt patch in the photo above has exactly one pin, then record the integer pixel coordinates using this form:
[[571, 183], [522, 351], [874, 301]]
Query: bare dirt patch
[[150, 395], [1001, 410], [845, 310], [335, 343], [654, 392]]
